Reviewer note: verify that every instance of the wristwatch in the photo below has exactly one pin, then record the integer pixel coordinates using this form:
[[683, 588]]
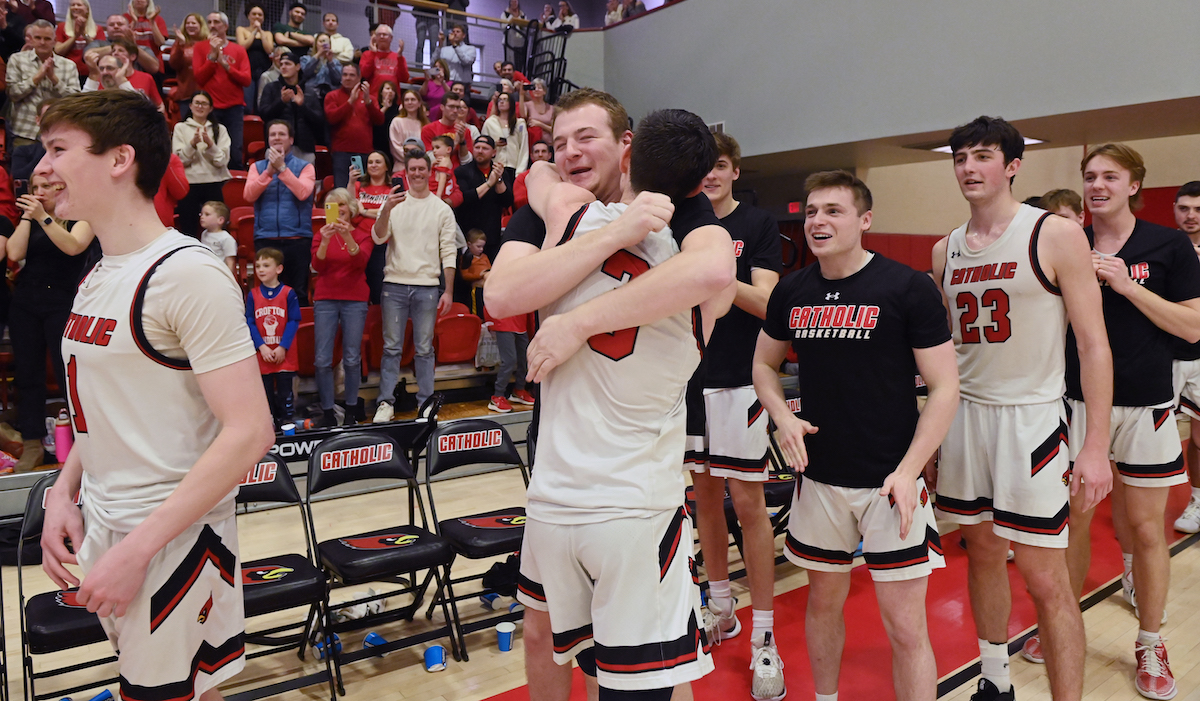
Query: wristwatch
[[48, 220]]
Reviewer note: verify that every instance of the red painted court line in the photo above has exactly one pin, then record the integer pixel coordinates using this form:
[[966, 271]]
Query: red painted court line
[[866, 661]]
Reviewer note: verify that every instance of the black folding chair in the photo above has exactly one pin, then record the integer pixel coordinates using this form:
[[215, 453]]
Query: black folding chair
[[282, 582], [52, 621], [482, 535], [391, 555]]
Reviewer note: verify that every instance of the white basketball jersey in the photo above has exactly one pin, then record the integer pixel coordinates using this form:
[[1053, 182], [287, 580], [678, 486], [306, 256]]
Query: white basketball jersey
[[1009, 321], [611, 433], [140, 420]]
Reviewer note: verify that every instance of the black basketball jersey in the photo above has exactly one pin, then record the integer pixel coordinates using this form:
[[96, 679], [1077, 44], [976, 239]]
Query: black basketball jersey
[[1163, 261], [855, 338], [730, 351]]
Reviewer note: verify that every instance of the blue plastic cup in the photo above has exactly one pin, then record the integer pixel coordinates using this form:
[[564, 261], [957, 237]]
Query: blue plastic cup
[[504, 635], [435, 658], [105, 695], [288, 429], [488, 601], [374, 640]]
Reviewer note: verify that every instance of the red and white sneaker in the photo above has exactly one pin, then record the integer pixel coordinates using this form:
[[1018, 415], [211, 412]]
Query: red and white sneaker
[[1154, 679], [500, 405], [521, 396], [1032, 650]]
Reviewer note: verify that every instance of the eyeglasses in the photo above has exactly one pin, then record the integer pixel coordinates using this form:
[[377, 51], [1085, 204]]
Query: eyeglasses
[[201, 103]]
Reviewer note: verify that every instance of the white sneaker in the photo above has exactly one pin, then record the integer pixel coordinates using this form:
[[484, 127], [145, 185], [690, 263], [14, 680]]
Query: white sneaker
[[384, 413], [1129, 594], [721, 625], [1189, 520], [768, 672]]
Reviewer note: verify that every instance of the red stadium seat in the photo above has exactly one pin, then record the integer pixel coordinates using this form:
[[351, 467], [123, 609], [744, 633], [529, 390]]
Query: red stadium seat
[[252, 130], [234, 192], [241, 225], [456, 338], [457, 308], [324, 163], [255, 151], [323, 189]]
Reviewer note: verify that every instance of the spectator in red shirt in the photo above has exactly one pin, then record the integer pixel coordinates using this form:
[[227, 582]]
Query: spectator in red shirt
[[380, 63], [351, 113], [191, 31], [76, 32], [449, 124], [174, 187], [149, 28], [541, 152], [371, 190], [340, 251], [222, 70]]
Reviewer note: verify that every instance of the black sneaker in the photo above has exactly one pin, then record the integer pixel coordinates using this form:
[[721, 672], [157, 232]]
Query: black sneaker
[[988, 692]]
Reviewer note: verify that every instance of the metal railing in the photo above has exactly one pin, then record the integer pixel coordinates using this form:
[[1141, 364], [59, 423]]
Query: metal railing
[[421, 25]]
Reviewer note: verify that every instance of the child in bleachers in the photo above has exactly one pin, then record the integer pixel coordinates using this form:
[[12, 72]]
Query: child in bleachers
[[273, 313], [473, 267], [442, 182], [214, 217]]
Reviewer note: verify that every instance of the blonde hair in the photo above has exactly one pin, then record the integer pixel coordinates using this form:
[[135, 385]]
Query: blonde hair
[[1128, 159], [89, 29], [316, 47], [149, 8], [345, 201], [202, 34]]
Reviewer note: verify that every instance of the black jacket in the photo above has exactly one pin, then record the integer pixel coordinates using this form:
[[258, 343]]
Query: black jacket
[[483, 212]]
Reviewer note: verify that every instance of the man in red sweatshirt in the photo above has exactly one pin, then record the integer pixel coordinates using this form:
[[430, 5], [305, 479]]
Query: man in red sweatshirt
[[222, 70], [351, 113], [380, 63], [450, 125]]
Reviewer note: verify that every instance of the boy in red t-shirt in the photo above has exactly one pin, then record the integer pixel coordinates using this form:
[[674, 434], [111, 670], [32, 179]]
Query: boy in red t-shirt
[[273, 313], [443, 183]]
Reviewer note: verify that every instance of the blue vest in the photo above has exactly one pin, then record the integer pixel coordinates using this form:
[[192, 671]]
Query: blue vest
[[277, 212]]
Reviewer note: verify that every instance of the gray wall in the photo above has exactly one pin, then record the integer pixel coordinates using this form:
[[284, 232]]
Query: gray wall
[[796, 74]]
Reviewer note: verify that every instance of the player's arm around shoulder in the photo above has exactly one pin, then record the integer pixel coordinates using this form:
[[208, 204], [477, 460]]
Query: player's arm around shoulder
[[1066, 260]]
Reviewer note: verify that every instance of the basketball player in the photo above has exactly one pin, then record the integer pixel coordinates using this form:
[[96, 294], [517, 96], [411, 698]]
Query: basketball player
[[168, 411], [607, 526], [593, 131], [1013, 275], [727, 429], [1150, 281], [862, 327], [1186, 369]]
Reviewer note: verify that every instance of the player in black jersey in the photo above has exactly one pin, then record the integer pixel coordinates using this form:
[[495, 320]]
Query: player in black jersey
[[1187, 364], [1150, 281], [727, 429], [862, 326]]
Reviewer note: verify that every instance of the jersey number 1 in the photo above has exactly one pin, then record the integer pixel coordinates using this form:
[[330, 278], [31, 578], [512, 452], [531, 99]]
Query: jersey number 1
[[73, 390], [999, 330], [619, 344]]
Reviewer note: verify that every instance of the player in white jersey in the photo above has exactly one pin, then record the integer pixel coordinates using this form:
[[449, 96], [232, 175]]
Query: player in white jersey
[[607, 531], [1186, 369], [1013, 275], [167, 408]]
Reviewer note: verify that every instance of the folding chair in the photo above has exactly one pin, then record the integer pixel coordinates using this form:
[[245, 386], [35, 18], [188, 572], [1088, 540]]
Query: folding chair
[[52, 621], [282, 582], [475, 536], [392, 555]]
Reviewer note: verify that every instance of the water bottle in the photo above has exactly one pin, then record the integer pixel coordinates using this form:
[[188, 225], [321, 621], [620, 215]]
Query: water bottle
[[63, 437]]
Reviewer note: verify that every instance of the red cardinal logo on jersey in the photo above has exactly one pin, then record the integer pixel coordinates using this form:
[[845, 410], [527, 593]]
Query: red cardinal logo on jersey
[[68, 599], [1066, 477], [263, 574], [924, 496], [499, 521], [204, 610], [380, 542]]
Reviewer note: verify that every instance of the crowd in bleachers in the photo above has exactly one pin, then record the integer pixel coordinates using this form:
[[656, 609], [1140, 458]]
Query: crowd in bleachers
[[287, 147]]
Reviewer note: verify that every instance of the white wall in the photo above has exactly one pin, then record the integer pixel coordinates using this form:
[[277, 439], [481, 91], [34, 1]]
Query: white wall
[[585, 59], [792, 74]]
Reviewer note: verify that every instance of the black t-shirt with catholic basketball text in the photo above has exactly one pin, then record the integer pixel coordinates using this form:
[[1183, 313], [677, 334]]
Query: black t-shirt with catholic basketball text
[[854, 338], [1163, 261], [730, 352]]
